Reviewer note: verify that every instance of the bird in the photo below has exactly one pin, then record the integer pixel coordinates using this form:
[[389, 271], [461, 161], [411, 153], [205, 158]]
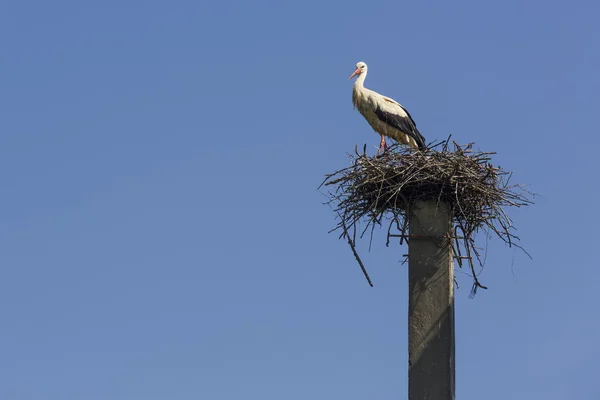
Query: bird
[[385, 115]]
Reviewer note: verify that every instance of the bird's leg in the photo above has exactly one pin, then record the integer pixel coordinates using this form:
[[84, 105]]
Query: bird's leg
[[382, 145]]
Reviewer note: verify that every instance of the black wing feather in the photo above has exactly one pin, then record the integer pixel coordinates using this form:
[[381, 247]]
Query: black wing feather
[[405, 124]]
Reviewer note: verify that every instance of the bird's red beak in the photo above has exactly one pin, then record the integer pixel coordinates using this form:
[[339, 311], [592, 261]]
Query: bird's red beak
[[357, 72]]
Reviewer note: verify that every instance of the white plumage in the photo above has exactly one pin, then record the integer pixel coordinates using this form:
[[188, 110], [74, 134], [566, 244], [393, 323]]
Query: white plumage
[[385, 115]]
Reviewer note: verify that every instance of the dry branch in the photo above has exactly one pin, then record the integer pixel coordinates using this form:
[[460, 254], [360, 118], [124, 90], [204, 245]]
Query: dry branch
[[377, 189]]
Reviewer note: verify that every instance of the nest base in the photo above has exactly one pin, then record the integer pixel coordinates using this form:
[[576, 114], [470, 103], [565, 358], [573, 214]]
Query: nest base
[[375, 191]]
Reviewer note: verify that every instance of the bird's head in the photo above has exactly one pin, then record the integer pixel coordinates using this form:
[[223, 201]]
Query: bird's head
[[361, 68]]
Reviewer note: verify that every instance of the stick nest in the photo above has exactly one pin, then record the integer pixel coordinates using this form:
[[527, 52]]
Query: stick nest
[[376, 191]]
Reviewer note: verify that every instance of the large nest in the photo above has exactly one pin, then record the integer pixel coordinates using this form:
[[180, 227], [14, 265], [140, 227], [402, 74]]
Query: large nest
[[379, 191]]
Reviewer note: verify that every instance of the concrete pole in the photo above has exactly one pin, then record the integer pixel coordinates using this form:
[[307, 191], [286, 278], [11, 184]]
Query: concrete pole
[[431, 303]]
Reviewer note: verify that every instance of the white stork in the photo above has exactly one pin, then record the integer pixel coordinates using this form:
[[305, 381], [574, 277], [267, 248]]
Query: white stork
[[386, 116]]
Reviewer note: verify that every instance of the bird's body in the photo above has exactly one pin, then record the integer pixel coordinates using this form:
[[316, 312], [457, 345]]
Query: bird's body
[[385, 115]]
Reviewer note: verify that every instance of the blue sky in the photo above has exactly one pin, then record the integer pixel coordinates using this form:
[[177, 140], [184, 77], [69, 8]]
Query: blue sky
[[162, 236]]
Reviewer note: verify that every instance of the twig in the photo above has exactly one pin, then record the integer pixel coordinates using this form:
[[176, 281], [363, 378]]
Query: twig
[[352, 246]]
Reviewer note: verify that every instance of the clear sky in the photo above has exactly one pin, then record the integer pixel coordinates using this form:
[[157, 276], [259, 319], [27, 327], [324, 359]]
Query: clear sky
[[162, 236]]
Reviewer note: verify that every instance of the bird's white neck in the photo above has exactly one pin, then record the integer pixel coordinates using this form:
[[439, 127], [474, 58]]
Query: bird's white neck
[[360, 81]]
